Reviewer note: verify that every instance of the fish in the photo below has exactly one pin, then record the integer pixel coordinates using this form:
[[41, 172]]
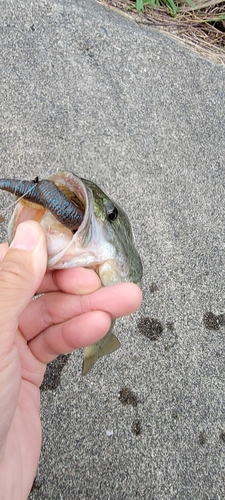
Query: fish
[[84, 228]]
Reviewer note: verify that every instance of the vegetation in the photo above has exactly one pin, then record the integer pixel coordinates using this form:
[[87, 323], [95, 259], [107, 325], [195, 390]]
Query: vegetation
[[200, 23], [218, 7]]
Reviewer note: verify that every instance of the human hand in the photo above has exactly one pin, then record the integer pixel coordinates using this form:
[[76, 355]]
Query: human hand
[[73, 312]]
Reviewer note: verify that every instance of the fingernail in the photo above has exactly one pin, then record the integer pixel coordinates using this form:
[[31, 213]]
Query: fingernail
[[26, 237]]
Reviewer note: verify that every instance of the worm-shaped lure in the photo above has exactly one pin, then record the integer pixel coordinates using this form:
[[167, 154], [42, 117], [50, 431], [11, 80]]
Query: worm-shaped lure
[[49, 196]]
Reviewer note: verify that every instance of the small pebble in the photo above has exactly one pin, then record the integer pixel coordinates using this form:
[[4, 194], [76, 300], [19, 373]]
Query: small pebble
[[109, 433]]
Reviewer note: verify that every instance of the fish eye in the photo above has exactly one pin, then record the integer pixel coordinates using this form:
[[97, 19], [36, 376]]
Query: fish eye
[[112, 214]]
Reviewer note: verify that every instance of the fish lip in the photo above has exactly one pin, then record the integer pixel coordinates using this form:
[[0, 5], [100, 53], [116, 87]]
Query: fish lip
[[75, 184]]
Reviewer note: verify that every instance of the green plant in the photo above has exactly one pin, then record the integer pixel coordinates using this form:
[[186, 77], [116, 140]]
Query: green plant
[[170, 4]]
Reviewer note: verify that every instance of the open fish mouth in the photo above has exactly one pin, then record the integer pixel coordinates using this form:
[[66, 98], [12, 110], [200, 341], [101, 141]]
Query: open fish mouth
[[60, 199], [62, 204]]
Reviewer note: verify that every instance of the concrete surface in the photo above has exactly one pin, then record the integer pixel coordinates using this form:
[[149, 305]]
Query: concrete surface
[[86, 90]]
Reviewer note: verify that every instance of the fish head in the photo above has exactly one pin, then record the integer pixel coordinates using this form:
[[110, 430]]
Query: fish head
[[111, 223], [104, 240]]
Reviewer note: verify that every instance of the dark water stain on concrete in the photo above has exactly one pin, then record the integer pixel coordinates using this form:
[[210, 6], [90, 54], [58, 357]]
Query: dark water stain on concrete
[[53, 372], [213, 321], [153, 288], [150, 328], [127, 397]]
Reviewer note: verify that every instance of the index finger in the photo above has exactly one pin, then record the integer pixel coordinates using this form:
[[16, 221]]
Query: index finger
[[78, 280]]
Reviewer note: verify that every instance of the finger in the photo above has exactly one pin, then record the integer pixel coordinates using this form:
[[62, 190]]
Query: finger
[[118, 300], [21, 272], [47, 310], [73, 334], [48, 284], [78, 281], [3, 249], [57, 307]]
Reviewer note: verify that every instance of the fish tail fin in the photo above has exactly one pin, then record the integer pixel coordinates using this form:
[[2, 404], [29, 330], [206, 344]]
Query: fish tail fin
[[107, 345], [89, 362]]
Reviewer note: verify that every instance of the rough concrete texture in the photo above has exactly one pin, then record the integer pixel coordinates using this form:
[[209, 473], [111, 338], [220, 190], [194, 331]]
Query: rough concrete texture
[[84, 89]]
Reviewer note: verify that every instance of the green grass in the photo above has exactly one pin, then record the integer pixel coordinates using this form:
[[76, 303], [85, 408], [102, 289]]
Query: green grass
[[173, 8], [170, 4]]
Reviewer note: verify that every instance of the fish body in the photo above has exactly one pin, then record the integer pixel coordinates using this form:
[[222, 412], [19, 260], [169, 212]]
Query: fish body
[[103, 240]]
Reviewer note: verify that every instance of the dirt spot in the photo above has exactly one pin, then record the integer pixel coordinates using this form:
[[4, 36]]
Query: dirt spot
[[202, 438], [136, 427], [153, 288], [150, 328], [212, 321], [127, 397], [53, 372]]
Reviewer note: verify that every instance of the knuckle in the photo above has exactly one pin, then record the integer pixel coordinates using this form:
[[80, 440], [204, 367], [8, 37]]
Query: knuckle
[[45, 312], [85, 304]]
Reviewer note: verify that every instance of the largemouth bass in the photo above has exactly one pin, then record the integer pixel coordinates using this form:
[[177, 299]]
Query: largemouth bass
[[84, 228]]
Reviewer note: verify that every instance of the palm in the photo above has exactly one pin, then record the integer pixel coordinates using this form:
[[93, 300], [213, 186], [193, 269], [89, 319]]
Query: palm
[[22, 447]]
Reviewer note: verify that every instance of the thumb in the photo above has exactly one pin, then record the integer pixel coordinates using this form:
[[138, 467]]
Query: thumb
[[21, 273]]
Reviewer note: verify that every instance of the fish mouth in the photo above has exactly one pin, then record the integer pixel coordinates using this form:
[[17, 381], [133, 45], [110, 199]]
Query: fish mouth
[[59, 237], [74, 214], [76, 191]]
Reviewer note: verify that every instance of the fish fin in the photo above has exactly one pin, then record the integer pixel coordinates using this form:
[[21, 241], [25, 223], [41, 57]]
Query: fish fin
[[111, 345], [101, 348], [89, 362]]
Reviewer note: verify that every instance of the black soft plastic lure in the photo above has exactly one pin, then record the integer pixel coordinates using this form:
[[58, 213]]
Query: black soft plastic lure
[[49, 196]]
